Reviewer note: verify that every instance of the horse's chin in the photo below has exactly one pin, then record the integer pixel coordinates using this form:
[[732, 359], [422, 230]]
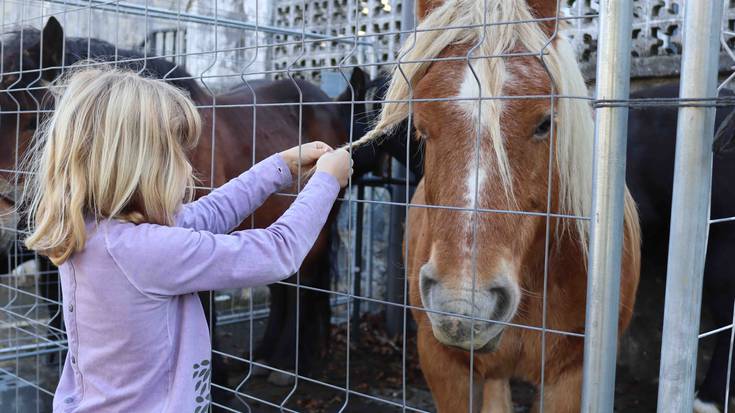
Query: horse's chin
[[490, 346]]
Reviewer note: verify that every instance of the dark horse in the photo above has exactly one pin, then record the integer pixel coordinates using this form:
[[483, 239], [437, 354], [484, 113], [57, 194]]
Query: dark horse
[[650, 176], [651, 149], [398, 145], [230, 142]]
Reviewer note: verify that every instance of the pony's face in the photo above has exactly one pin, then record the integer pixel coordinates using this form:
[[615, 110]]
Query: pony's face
[[479, 262], [18, 108], [19, 114], [23, 87]]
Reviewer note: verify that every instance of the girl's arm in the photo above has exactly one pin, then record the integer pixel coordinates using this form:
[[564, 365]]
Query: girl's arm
[[165, 261], [227, 206]]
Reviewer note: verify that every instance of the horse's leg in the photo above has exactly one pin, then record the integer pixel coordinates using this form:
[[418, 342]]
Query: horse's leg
[[274, 325], [448, 376], [564, 393], [316, 311], [496, 397], [720, 293], [219, 368], [711, 394], [50, 290], [284, 346], [315, 316]]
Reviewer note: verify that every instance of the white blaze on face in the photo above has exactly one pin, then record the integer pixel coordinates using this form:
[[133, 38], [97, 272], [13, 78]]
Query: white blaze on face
[[475, 181], [475, 175], [484, 122]]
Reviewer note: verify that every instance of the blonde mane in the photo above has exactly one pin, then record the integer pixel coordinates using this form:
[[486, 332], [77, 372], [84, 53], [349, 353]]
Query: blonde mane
[[497, 29]]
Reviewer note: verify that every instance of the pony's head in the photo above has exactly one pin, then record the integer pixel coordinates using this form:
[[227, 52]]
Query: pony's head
[[480, 75], [33, 58], [354, 92], [22, 84], [22, 103]]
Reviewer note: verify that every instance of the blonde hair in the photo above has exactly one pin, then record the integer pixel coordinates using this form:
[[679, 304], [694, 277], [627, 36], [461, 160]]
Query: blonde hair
[[115, 147]]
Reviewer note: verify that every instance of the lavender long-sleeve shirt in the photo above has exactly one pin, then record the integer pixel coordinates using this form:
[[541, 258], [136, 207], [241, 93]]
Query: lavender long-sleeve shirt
[[138, 339]]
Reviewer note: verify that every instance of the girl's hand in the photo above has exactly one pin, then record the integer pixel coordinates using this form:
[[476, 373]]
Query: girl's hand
[[338, 164], [310, 152]]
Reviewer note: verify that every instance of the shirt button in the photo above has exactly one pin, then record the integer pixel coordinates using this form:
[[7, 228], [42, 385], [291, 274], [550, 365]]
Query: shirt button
[[69, 400], [71, 308], [73, 360]]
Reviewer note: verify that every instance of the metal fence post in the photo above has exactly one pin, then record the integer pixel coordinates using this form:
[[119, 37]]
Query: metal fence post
[[395, 270], [606, 237], [690, 208]]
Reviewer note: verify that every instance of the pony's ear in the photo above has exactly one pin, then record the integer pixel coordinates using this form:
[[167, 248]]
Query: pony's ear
[[725, 136], [53, 43], [358, 85], [51, 46], [358, 81]]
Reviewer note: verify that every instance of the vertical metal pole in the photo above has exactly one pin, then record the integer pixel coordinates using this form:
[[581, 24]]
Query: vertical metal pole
[[394, 256], [408, 18], [358, 262], [394, 267], [608, 189], [689, 208]]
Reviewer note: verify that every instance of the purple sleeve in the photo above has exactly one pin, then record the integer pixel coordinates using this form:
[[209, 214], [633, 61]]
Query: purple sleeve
[[163, 261], [226, 207]]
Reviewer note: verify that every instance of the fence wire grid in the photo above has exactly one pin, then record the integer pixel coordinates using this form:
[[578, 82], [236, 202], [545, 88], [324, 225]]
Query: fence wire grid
[[346, 336]]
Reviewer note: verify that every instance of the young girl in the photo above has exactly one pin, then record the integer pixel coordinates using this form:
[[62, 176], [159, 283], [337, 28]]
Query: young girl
[[106, 207]]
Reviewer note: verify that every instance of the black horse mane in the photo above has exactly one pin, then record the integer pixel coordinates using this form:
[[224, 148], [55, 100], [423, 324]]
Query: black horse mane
[[79, 48], [393, 142]]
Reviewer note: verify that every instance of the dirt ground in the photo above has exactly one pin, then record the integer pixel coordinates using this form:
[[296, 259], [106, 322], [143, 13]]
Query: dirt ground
[[376, 370]]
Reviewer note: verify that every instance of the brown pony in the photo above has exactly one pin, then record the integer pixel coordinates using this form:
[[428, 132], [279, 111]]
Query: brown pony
[[485, 281]]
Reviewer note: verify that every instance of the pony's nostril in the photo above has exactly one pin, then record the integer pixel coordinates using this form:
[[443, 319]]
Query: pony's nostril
[[427, 280], [427, 283], [502, 302], [501, 296], [428, 276]]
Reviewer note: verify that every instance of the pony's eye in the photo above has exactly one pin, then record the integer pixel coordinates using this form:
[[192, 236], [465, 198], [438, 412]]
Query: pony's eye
[[543, 129]]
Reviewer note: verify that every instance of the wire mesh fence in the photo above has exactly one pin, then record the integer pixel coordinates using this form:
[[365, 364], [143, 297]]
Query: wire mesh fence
[[474, 260]]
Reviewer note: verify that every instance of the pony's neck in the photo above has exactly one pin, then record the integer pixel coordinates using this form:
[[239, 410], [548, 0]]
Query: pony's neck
[[199, 95]]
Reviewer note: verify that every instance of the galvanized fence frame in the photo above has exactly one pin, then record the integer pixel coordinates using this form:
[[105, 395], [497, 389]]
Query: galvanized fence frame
[[605, 217], [608, 189], [690, 209]]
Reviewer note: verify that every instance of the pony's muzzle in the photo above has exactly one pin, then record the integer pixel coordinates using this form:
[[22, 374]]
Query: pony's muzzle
[[465, 320]]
